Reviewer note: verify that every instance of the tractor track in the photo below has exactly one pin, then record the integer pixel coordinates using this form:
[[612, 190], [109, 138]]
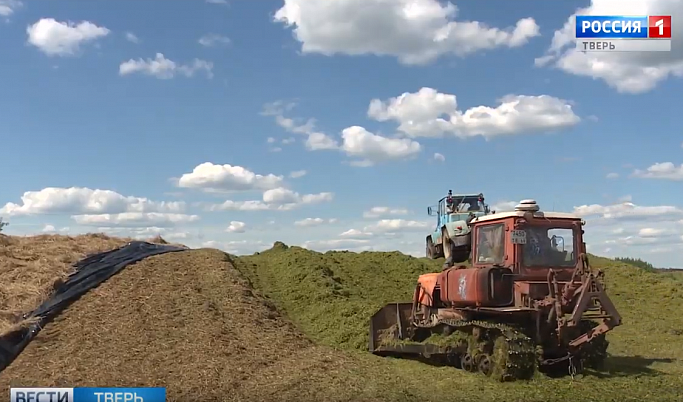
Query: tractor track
[[512, 354]]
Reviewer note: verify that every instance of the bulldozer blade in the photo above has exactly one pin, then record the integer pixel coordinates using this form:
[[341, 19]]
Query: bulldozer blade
[[389, 325]]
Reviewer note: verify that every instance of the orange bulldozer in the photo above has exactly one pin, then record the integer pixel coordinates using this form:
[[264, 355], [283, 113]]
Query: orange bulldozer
[[529, 301]]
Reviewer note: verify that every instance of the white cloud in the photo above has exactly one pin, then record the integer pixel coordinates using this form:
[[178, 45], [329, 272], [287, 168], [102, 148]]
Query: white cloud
[[8, 7], [664, 171], [439, 157], [133, 219], [163, 68], [288, 141], [337, 244], [237, 247], [634, 72], [397, 225], [56, 38], [429, 113], [612, 175], [49, 229], [652, 232], [279, 199], [227, 178], [315, 141], [376, 212], [504, 206], [372, 148], [236, 227], [314, 222], [414, 31], [210, 40], [297, 173], [355, 233], [270, 140], [628, 211], [80, 200], [356, 141], [131, 37], [224, 2]]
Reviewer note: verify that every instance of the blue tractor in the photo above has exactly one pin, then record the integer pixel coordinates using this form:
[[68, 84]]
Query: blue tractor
[[451, 238]]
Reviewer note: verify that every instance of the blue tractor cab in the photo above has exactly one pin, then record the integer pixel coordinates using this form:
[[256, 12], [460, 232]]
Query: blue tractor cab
[[451, 237]]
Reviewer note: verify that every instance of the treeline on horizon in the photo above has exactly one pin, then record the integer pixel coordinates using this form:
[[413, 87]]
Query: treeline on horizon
[[644, 264]]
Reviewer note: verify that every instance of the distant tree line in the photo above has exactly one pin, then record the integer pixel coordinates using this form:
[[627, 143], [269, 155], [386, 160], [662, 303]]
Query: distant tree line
[[637, 262]]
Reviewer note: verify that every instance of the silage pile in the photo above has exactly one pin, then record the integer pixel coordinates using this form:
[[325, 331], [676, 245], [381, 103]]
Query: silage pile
[[185, 320]]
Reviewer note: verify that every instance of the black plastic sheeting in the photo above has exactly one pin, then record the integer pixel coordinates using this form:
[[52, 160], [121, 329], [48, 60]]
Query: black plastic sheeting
[[90, 272]]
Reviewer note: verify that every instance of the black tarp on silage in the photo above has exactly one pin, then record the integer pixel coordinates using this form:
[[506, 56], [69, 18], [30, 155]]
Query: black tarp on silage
[[89, 273]]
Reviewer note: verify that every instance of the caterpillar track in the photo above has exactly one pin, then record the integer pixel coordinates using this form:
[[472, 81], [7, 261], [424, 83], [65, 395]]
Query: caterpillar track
[[497, 350]]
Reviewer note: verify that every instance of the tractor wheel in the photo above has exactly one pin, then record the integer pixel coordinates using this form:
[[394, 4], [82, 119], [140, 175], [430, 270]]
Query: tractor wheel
[[446, 244], [430, 250]]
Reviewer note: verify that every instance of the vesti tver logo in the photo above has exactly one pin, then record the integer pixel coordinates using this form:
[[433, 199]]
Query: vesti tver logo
[[87, 394]]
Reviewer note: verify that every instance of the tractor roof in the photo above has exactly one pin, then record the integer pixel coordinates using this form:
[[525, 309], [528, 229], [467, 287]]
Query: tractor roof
[[524, 207], [537, 214]]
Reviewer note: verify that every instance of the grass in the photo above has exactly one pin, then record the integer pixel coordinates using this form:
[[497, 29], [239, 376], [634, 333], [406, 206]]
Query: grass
[[331, 296], [290, 324]]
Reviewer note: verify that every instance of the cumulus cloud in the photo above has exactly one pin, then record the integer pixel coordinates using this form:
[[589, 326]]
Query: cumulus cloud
[[131, 37], [612, 176], [81, 200], [430, 113], [370, 148], [414, 31], [439, 157], [355, 233], [314, 222], [376, 212], [634, 72], [237, 227], [504, 206], [237, 247], [49, 229], [8, 7], [397, 225], [278, 199], [162, 68], [210, 177], [297, 173], [366, 148], [210, 40], [663, 171], [316, 140], [133, 219], [55, 38], [627, 211], [338, 244]]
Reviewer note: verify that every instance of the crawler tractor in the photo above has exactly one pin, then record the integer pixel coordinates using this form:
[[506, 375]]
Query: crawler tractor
[[529, 301]]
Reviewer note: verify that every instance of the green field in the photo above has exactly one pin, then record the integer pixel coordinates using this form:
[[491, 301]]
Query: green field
[[331, 297]]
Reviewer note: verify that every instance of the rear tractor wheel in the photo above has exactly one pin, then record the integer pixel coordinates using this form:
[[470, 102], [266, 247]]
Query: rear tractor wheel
[[430, 249]]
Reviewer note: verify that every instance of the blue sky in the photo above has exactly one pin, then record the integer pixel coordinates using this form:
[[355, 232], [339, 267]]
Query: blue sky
[[224, 124]]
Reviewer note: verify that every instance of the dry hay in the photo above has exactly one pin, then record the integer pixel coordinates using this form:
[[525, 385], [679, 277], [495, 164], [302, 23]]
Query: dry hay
[[185, 320], [31, 267]]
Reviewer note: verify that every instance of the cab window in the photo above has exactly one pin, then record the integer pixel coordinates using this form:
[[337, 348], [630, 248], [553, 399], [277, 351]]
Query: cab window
[[490, 248]]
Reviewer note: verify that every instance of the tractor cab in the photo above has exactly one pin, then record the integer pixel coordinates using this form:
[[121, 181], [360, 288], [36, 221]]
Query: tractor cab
[[528, 241], [458, 207]]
